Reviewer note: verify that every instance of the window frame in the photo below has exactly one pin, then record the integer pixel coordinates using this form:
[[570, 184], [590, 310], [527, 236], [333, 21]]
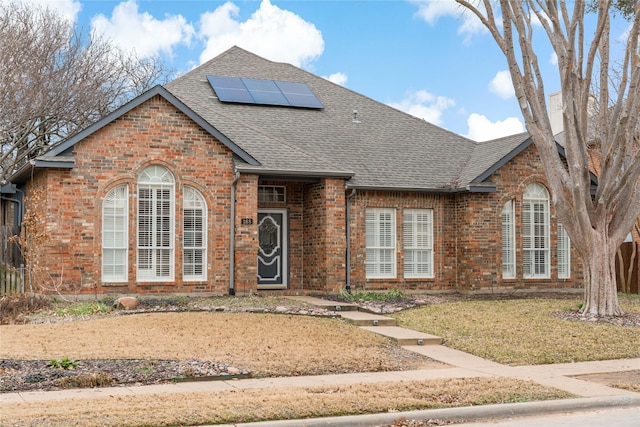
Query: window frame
[[123, 247], [417, 228], [535, 232], [508, 221], [564, 253], [160, 184], [190, 195], [380, 224]]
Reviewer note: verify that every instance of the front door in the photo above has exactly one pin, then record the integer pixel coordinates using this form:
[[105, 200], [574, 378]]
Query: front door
[[272, 252]]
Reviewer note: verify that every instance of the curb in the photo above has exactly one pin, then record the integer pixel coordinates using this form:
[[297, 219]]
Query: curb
[[467, 413]]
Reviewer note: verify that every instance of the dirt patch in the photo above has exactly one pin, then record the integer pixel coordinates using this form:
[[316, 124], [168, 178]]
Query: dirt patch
[[628, 380]]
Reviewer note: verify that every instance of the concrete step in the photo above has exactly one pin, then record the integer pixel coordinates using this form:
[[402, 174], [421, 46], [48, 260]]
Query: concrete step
[[326, 304], [360, 318], [404, 336]]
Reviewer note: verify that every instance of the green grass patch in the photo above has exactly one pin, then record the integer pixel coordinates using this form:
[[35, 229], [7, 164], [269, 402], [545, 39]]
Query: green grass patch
[[392, 294], [82, 309], [525, 332]]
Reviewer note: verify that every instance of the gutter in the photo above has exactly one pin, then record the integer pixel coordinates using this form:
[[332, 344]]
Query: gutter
[[348, 230], [232, 236]]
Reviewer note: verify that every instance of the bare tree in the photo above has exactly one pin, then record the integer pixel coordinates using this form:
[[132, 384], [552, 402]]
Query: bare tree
[[55, 80], [597, 224]]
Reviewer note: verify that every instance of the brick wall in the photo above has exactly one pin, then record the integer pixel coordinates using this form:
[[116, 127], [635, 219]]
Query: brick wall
[[444, 231], [155, 133], [480, 238]]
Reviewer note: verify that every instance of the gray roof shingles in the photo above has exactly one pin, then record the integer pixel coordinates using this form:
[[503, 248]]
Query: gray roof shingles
[[386, 149]]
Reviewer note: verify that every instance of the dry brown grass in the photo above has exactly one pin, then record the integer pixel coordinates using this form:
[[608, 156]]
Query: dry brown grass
[[265, 344], [253, 405], [525, 332]]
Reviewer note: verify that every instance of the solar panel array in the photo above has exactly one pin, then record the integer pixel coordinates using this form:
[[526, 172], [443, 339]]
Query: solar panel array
[[264, 92]]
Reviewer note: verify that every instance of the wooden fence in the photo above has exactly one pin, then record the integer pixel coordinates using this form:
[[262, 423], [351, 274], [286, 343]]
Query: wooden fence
[[11, 262], [627, 277]]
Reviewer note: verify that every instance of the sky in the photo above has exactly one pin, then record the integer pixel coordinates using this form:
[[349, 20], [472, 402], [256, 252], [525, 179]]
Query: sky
[[424, 57]]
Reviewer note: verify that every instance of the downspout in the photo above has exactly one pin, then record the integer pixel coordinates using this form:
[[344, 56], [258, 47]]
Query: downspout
[[348, 228], [232, 237]]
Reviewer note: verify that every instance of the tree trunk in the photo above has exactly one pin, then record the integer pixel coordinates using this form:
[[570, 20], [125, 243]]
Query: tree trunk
[[600, 293]]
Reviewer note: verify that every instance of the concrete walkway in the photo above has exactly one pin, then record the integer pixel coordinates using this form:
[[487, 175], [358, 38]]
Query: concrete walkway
[[461, 365]]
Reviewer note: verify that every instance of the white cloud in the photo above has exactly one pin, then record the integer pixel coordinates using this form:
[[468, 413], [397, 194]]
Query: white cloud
[[68, 9], [554, 58], [501, 85], [142, 32], [432, 10], [425, 105], [483, 129], [337, 78], [271, 32]]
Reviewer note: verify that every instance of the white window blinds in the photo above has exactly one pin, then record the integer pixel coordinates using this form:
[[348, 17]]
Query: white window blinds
[[115, 235], [156, 219], [535, 231], [194, 226], [381, 243], [508, 241], [418, 243]]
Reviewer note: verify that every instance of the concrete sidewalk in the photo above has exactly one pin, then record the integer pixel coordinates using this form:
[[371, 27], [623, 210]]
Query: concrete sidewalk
[[460, 365]]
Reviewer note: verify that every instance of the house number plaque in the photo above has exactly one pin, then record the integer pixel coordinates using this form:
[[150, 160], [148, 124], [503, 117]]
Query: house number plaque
[[246, 221]]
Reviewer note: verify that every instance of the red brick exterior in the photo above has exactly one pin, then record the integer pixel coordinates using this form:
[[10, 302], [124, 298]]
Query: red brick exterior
[[467, 226]]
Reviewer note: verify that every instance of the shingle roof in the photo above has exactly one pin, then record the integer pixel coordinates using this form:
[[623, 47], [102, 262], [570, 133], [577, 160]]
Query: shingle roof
[[385, 149], [488, 156]]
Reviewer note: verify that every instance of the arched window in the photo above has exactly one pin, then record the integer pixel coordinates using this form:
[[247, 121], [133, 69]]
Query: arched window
[[535, 231], [115, 212], [156, 218], [194, 235], [508, 241]]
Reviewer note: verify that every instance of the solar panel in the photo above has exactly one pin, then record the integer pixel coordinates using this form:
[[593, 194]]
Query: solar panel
[[263, 92]]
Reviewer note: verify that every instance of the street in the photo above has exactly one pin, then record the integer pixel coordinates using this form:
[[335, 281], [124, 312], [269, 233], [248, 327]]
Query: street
[[618, 417]]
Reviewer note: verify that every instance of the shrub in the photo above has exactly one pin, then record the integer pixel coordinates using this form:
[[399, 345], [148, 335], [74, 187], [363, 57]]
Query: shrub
[[13, 308], [98, 379]]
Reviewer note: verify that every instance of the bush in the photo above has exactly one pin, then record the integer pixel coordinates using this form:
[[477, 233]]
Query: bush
[[99, 379], [14, 308]]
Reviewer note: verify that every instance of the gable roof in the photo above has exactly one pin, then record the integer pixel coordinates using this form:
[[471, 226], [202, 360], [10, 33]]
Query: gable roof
[[354, 137], [384, 148], [59, 156]]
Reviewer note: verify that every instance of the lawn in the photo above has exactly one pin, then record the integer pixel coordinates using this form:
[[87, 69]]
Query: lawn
[[526, 332], [512, 332]]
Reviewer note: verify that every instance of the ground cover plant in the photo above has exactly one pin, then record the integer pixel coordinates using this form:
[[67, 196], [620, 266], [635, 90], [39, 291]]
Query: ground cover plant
[[528, 331]]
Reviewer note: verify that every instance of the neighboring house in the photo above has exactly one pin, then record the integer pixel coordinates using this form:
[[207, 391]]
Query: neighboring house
[[246, 175]]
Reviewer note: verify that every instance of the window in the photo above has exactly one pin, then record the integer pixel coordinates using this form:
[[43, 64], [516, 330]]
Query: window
[[418, 243], [508, 241], [535, 231], [194, 226], [271, 193], [156, 218], [381, 243], [115, 211], [564, 253]]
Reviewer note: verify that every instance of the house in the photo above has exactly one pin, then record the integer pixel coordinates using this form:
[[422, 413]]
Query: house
[[247, 175]]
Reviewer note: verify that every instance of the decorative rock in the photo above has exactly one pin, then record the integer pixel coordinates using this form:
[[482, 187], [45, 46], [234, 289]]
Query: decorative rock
[[126, 303], [281, 309], [233, 371]]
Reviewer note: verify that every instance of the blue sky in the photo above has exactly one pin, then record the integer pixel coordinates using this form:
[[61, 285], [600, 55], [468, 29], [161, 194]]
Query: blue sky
[[423, 57]]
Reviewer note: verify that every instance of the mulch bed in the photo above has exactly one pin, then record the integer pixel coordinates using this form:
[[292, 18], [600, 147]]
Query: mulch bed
[[31, 375]]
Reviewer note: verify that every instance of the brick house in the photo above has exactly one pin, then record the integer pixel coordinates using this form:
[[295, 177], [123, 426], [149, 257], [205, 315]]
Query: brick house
[[246, 175]]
